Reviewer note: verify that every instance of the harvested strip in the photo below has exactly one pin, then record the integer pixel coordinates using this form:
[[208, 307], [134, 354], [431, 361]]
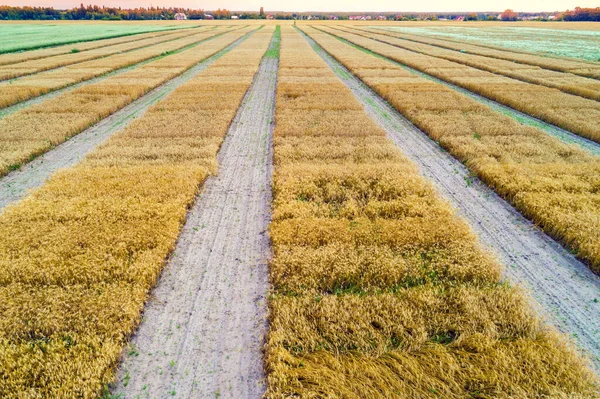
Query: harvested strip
[[379, 290], [566, 82], [12, 92], [34, 66], [85, 249], [34, 130], [565, 288], [553, 184], [13, 58], [203, 331], [17, 183], [578, 115], [576, 67]]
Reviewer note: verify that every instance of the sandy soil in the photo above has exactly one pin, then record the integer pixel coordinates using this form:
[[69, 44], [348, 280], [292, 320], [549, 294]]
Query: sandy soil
[[566, 292], [203, 331], [16, 184]]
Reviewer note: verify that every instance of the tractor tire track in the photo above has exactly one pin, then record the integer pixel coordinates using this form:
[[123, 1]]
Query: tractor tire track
[[203, 332], [566, 292]]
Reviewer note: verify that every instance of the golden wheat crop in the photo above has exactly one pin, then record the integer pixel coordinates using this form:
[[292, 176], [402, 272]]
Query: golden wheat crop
[[379, 290], [566, 82], [79, 255], [579, 115], [34, 130], [13, 58], [554, 184], [12, 92], [38, 65], [576, 67]]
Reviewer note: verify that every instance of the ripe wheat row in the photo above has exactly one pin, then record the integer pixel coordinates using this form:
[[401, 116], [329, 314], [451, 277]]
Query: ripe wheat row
[[379, 290], [564, 81], [36, 129], [578, 115], [13, 58], [555, 184], [79, 256], [576, 67], [39, 65], [22, 89]]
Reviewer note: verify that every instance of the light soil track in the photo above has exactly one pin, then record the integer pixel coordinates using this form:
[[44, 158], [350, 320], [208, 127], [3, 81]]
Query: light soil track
[[565, 290], [203, 332], [54, 93], [563, 135], [16, 184]]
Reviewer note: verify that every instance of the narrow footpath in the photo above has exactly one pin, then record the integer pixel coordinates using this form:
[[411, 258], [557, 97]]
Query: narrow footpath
[[203, 332]]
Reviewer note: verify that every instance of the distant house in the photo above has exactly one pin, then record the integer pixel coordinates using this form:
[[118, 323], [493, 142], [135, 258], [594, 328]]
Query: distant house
[[235, 17], [381, 18], [208, 16], [460, 18], [180, 16], [333, 17], [270, 16]]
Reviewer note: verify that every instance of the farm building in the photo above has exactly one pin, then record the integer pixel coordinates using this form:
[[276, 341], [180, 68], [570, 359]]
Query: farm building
[[180, 16]]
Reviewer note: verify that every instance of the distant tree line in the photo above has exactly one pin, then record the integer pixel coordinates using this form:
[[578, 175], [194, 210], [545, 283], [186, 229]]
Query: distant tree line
[[93, 12], [582, 14], [106, 13]]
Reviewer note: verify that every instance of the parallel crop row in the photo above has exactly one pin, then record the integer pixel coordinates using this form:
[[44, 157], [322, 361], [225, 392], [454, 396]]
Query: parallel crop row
[[13, 58], [579, 115], [13, 92], [34, 130], [78, 257], [38, 65], [566, 82], [555, 184], [576, 67], [379, 290]]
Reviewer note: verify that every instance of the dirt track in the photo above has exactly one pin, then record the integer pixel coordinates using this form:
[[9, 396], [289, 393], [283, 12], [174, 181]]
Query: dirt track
[[566, 291], [202, 333], [16, 184]]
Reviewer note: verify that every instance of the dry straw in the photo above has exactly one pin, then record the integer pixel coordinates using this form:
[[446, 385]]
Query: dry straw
[[576, 67], [379, 290], [555, 184], [38, 65], [564, 81], [576, 114], [15, 91], [79, 256], [36, 129]]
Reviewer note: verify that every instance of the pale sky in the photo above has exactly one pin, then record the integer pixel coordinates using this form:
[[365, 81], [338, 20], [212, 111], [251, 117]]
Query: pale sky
[[331, 5]]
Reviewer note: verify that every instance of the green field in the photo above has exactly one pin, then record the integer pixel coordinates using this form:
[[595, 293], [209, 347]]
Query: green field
[[17, 37], [555, 42]]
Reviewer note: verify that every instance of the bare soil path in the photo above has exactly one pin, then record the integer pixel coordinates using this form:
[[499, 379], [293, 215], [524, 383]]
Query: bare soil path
[[16, 184], [566, 292], [203, 332]]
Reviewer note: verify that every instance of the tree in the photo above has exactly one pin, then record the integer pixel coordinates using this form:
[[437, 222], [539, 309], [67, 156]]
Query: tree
[[262, 12], [472, 17], [509, 15]]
